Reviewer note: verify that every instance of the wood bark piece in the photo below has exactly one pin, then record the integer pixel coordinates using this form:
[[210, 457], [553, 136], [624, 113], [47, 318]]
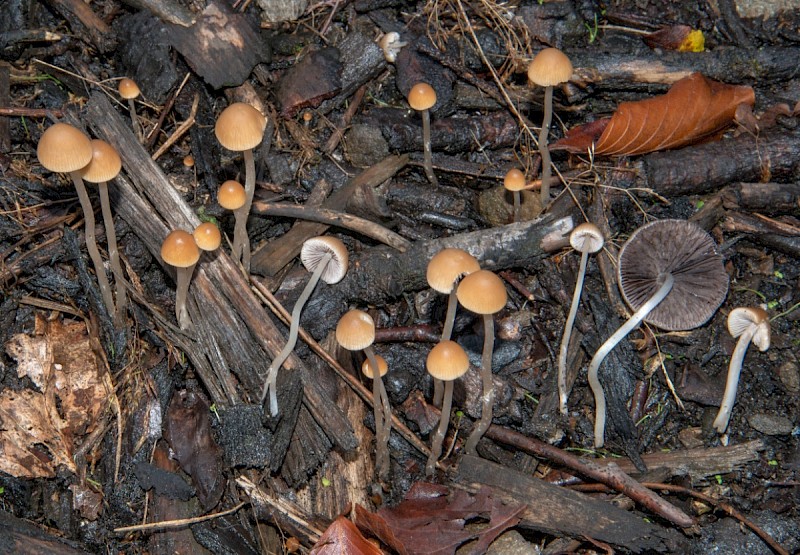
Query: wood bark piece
[[245, 339], [770, 198], [21, 537], [559, 511], [84, 22]]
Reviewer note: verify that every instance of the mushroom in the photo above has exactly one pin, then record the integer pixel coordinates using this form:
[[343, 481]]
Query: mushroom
[[326, 258], [422, 98], [446, 362], [65, 149], [240, 128], [391, 45], [514, 181], [548, 68], [586, 239], [180, 251], [232, 196], [129, 90], [355, 332], [207, 236], [445, 268], [748, 324], [382, 401], [483, 292], [671, 274], [105, 166]]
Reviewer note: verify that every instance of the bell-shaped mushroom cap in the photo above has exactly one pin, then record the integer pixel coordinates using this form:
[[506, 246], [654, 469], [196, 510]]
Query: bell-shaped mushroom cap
[[686, 251], [549, 67], [240, 127], [447, 265], [383, 367], [586, 237], [64, 148], [105, 164], [740, 319], [447, 361], [482, 292], [207, 236], [313, 251], [128, 88], [231, 195], [179, 249], [421, 97], [355, 330], [514, 180]]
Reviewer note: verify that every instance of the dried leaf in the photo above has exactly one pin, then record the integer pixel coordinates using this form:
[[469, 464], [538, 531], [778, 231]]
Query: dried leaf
[[343, 538], [694, 109], [676, 37], [429, 521]]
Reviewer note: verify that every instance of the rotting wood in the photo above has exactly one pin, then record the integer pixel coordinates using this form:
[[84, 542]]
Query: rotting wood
[[82, 18], [764, 232], [770, 198]]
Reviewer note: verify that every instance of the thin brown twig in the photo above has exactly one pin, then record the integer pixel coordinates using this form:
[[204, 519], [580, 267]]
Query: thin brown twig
[[179, 523]]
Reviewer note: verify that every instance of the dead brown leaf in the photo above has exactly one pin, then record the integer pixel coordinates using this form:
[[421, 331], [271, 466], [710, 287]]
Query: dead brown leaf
[[343, 538]]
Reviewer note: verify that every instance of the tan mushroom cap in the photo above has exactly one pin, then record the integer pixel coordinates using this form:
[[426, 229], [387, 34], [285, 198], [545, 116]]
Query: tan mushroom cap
[[207, 236], [315, 249], [447, 265], [179, 249], [105, 164], [740, 319], [127, 88], [383, 367], [231, 195], [586, 237], [447, 361], [514, 180], [240, 127], [355, 330], [64, 149], [421, 97], [550, 67], [482, 292]]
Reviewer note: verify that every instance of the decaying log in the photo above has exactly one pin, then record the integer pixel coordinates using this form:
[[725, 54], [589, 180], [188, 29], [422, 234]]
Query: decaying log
[[85, 22], [770, 233], [23, 538], [769, 198]]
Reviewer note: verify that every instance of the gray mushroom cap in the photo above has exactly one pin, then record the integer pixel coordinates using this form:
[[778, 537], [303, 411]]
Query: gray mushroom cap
[[686, 251]]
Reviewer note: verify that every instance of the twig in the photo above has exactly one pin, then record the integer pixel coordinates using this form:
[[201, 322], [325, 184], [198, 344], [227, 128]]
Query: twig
[[14, 111], [168, 524], [181, 130], [344, 123], [153, 135]]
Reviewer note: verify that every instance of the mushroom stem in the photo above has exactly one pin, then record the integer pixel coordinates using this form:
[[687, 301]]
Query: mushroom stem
[[732, 383], [91, 241], [241, 242], [441, 430], [562, 352], [383, 417], [182, 278], [426, 147], [137, 126], [113, 255], [447, 332], [272, 373], [543, 149], [515, 212], [608, 346], [488, 386]]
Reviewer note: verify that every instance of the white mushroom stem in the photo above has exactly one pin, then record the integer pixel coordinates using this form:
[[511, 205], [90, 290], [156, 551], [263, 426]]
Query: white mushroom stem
[[182, 278], [447, 332], [732, 383], [543, 148], [608, 346], [382, 413], [488, 387], [113, 255], [426, 147], [441, 430], [241, 242], [515, 213], [270, 383], [562, 352], [91, 241]]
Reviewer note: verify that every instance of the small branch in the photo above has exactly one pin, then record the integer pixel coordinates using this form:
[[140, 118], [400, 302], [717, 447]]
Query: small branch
[[180, 523], [181, 130]]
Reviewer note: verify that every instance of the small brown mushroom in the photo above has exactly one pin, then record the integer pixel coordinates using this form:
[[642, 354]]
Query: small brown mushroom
[[514, 181], [422, 98], [180, 251], [129, 90]]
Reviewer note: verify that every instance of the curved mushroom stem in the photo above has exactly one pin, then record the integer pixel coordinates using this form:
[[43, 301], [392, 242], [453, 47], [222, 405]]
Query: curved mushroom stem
[[543, 149], [488, 386], [241, 242], [426, 147], [562, 352], [135, 123], [515, 212], [91, 242], [608, 346], [182, 278], [441, 430], [732, 383], [270, 382], [113, 255], [382, 413], [447, 332]]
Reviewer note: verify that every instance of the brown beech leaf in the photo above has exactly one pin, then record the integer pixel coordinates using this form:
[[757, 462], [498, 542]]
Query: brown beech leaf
[[694, 109], [343, 538], [430, 520]]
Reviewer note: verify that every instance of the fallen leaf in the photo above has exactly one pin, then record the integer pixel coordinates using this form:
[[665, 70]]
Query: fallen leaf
[[694, 109], [676, 37], [430, 520], [343, 538]]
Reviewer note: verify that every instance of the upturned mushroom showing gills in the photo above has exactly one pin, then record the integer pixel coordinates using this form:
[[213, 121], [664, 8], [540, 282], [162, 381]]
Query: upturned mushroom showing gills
[[327, 259], [180, 251], [240, 128], [749, 324], [548, 68], [670, 273], [586, 239], [483, 292], [422, 98]]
